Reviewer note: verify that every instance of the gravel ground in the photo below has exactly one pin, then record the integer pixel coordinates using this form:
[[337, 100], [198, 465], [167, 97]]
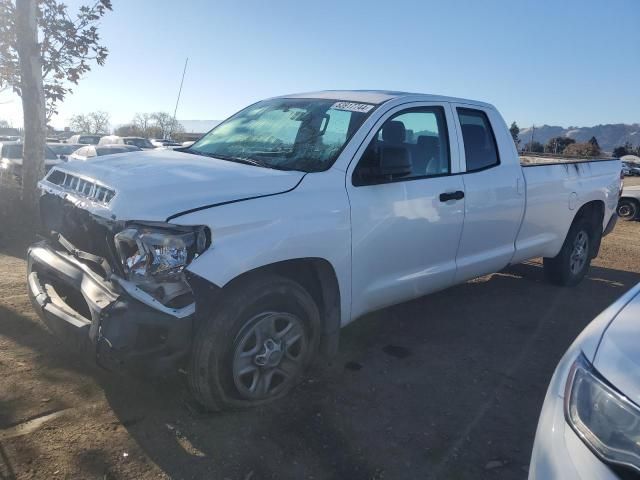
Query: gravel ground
[[446, 386]]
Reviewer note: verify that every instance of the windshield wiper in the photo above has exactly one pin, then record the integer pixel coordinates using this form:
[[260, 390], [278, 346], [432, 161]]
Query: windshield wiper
[[248, 161]]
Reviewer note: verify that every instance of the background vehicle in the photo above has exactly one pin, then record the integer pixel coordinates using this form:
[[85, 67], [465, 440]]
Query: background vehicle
[[11, 159], [84, 139], [63, 150], [139, 142], [89, 152], [590, 421], [247, 252], [163, 142], [629, 204], [630, 169]]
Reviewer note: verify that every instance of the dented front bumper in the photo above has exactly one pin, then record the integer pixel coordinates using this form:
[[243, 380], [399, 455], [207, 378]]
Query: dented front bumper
[[102, 318]]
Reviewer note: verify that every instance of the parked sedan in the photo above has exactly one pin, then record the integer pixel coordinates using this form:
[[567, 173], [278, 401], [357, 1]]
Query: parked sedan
[[589, 427], [91, 151], [163, 142], [140, 142], [11, 158], [630, 169], [629, 203], [84, 139], [63, 150]]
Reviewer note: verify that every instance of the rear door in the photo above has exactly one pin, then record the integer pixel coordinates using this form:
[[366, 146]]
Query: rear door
[[494, 191], [405, 230]]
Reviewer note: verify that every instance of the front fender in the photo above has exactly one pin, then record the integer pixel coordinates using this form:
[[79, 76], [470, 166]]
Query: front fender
[[311, 221]]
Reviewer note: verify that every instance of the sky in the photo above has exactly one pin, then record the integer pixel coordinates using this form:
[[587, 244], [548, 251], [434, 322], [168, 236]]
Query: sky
[[559, 62]]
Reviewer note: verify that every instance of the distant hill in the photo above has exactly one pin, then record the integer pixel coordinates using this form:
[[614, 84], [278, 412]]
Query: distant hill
[[198, 126], [609, 136]]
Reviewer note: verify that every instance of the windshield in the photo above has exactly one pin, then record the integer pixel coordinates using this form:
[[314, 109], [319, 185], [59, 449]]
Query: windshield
[[286, 133], [139, 142], [64, 148]]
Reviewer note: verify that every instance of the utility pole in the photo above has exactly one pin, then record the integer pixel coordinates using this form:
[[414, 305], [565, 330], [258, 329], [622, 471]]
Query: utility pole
[[175, 110]]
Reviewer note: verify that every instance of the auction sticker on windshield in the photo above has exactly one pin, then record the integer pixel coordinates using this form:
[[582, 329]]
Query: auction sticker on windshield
[[352, 107]]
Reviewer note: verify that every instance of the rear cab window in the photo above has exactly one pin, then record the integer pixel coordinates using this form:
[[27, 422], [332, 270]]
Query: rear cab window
[[480, 147], [89, 139]]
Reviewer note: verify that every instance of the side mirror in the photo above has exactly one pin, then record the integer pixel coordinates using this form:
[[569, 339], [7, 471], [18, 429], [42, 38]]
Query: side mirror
[[382, 165]]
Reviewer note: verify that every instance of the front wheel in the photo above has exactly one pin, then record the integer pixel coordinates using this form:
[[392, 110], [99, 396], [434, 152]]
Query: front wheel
[[256, 346], [627, 209], [570, 266]]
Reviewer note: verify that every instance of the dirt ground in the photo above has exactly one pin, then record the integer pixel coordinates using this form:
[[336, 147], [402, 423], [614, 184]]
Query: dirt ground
[[446, 386]]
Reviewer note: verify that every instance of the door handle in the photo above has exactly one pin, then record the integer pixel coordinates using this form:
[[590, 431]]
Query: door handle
[[459, 195]]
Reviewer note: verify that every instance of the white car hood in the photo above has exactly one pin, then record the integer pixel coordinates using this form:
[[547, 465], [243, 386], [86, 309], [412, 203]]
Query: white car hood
[[157, 184], [618, 355]]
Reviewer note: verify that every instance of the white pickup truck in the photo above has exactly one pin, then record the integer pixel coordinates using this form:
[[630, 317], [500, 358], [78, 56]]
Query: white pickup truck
[[240, 257]]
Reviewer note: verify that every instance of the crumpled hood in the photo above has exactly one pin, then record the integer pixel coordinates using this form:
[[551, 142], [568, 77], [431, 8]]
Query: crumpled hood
[[618, 355], [154, 185]]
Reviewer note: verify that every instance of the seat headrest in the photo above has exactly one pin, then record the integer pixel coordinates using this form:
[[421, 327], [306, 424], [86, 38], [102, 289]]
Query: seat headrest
[[474, 136], [393, 132]]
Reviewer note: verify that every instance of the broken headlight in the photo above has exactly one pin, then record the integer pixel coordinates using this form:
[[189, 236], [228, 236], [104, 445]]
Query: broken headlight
[[159, 253]]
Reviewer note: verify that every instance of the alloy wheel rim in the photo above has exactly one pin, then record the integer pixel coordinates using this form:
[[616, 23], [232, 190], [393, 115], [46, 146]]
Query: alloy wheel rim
[[269, 355], [625, 211], [580, 252]]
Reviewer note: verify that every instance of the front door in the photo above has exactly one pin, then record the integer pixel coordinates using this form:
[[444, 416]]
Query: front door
[[405, 227]]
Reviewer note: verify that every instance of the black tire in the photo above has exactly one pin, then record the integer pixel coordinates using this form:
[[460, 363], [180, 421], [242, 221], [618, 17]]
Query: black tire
[[627, 209], [563, 268], [213, 378]]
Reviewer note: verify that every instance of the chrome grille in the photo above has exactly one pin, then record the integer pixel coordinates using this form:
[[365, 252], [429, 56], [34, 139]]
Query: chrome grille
[[83, 187]]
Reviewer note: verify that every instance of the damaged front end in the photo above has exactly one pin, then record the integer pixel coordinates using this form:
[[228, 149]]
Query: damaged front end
[[118, 288]]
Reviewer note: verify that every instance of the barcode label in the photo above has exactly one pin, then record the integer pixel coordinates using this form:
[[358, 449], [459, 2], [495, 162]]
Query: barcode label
[[352, 107]]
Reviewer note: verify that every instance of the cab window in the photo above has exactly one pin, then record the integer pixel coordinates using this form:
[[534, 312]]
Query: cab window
[[480, 149], [414, 140]]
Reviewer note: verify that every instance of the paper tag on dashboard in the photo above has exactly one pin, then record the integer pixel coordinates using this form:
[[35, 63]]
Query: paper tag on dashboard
[[352, 107]]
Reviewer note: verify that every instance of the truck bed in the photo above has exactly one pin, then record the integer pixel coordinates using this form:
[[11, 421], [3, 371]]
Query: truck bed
[[554, 192]]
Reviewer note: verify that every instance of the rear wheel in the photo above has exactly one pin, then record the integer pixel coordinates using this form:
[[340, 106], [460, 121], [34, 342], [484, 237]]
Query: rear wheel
[[627, 209], [570, 266], [256, 346]]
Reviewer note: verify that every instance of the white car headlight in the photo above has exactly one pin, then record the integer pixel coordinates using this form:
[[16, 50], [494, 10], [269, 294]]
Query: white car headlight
[[159, 252], [606, 420]]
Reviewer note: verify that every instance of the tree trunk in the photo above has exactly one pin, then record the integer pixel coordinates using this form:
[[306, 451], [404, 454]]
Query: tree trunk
[[33, 103]]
